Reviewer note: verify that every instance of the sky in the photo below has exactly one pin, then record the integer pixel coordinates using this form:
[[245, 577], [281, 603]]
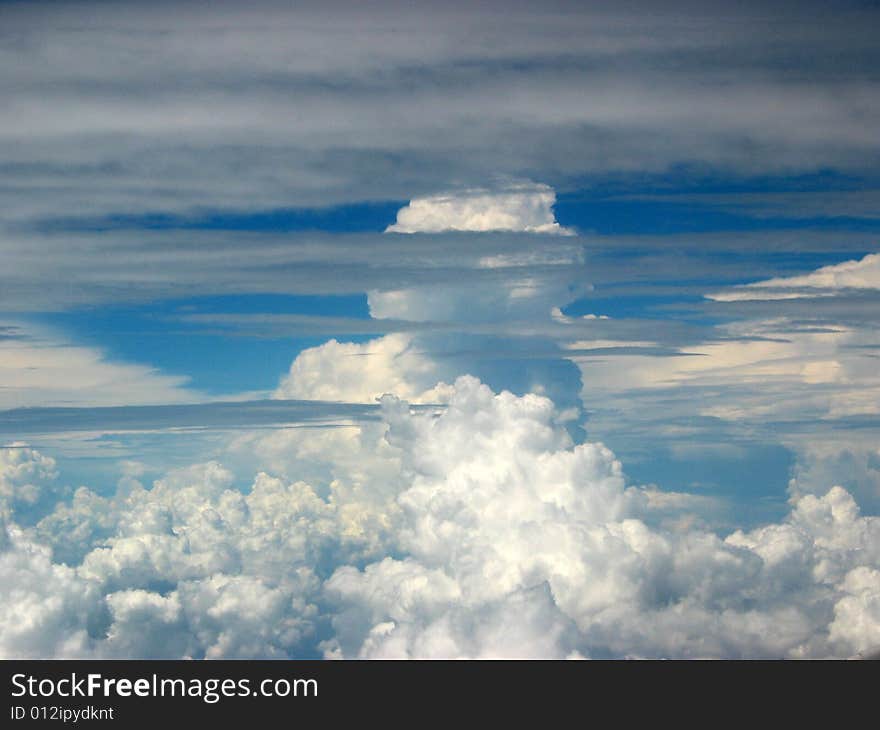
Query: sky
[[439, 330]]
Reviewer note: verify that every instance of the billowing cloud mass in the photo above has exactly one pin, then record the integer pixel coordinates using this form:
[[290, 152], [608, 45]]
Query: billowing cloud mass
[[849, 461], [826, 281], [520, 207], [361, 373], [485, 531], [25, 474], [524, 439], [521, 283]]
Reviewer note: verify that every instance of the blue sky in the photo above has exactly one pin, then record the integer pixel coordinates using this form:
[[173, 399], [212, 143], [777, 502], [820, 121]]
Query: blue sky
[[229, 232], [220, 364]]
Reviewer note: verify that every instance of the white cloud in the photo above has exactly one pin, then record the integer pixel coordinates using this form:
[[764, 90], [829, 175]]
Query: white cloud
[[520, 298], [857, 614], [761, 370], [861, 274], [533, 282], [45, 608], [518, 207], [854, 465], [237, 569], [504, 517], [558, 316], [361, 373], [25, 474], [484, 531], [42, 368]]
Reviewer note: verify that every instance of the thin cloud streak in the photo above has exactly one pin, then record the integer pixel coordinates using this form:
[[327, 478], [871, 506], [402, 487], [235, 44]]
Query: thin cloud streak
[[217, 415]]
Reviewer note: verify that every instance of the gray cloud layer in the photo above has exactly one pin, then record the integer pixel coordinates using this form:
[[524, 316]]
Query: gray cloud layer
[[74, 268], [215, 415], [119, 109]]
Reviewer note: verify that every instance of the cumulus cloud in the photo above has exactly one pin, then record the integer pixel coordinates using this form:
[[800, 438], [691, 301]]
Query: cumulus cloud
[[525, 524], [361, 373], [353, 462], [25, 474], [519, 285], [854, 465], [478, 529], [486, 531], [857, 614], [558, 316], [525, 298], [826, 281], [46, 609], [195, 567], [519, 207]]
